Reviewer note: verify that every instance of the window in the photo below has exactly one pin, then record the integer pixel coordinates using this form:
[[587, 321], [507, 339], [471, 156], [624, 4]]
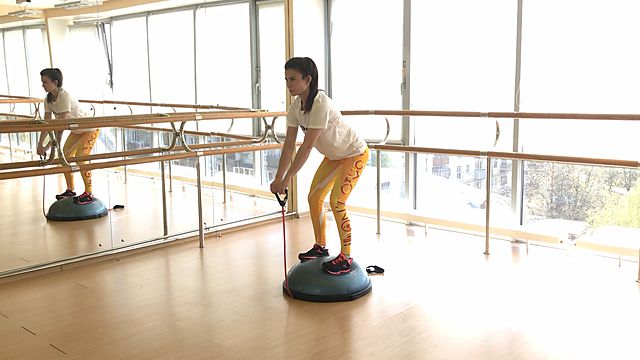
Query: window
[[273, 90], [172, 77], [581, 57], [88, 75], [578, 58], [16, 67], [37, 59], [367, 61], [462, 58], [130, 67], [3, 75], [224, 61]]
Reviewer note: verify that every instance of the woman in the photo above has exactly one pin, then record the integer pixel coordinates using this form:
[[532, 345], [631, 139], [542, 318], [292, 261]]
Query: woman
[[78, 143], [346, 155]]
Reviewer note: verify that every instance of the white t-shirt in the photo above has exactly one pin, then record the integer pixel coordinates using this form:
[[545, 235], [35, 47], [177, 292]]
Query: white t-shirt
[[338, 140], [66, 103]]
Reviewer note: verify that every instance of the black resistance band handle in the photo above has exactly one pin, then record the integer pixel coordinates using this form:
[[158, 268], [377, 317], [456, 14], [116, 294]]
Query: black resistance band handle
[[283, 202]]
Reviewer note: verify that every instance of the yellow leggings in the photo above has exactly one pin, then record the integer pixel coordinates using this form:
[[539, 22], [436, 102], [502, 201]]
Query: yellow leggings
[[79, 145], [341, 177]]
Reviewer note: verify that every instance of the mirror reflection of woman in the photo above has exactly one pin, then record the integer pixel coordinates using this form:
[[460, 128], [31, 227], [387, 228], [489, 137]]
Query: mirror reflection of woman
[[60, 104]]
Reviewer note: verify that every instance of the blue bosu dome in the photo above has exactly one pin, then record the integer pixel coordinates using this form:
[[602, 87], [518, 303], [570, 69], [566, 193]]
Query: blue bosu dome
[[308, 281]]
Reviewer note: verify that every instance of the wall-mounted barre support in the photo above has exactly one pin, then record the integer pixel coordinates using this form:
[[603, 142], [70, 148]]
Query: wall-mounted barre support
[[274, 134], [230, 126], [183, 138], [386, 136], [174, 136], [264, 136]]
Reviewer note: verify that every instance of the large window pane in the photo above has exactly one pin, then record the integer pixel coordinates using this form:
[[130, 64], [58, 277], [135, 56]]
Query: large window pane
[[3, 75], [462, 58], [130, 66], [588, 206], [16, 67], [88, 74], [580, 56], [171, 57], [38, 57], [224, 61], [367, 61], [392, 183], [273, 90], [16, 63], [451, 187]]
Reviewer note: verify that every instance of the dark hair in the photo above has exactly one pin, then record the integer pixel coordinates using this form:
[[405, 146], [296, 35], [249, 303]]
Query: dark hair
[[306, 67], [54, 74]]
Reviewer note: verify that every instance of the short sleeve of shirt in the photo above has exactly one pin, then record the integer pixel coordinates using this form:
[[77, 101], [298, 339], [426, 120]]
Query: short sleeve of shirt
[[292, 119], [47, 106], [63, 103], [319, 115]]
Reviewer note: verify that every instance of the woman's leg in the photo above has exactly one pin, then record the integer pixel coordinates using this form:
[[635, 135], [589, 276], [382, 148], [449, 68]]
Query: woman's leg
[[88, 140], [322, 181], [69, 150], [349, 172]]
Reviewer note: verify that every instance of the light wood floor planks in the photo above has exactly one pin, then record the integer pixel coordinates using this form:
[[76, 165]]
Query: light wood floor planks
[[440, 298]]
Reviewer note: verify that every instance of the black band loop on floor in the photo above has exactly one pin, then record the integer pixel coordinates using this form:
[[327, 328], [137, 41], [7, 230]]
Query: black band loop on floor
[[375, 269]]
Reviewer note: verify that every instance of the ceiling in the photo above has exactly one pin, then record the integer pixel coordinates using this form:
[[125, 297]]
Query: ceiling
[[46, 6], [106, 9]]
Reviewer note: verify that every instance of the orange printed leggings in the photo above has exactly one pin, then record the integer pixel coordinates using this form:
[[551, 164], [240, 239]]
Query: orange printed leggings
[[79, 145], [341, 177]]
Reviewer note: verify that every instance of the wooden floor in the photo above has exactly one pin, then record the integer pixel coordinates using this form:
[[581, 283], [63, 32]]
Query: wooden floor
[[440, 298]]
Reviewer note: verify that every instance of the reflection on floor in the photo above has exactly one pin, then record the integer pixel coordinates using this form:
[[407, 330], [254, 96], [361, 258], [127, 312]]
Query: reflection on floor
[[27, 238], [440, 298]]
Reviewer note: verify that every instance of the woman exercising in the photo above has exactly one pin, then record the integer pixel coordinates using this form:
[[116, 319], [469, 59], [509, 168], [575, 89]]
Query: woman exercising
[[346, 155]]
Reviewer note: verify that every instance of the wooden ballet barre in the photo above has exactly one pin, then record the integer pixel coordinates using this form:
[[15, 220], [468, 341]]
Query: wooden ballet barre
[[499, 115], [136, 161], [26, 117], [427, 150], [564, 159], [127, 120], [511, 155], [17, 97], [20, 101], [183, 106], [127, 153], [564, 116], [191, 132], [413, 113]]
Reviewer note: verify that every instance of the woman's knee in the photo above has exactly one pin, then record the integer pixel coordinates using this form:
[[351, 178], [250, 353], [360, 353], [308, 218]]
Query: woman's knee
[[314, 199]]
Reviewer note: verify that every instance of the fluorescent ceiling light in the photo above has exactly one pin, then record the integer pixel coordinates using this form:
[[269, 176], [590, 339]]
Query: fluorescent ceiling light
[[76, 4], [25, 13]]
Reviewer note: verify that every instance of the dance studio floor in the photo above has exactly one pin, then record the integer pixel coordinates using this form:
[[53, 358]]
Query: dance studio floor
[[439, 298]]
